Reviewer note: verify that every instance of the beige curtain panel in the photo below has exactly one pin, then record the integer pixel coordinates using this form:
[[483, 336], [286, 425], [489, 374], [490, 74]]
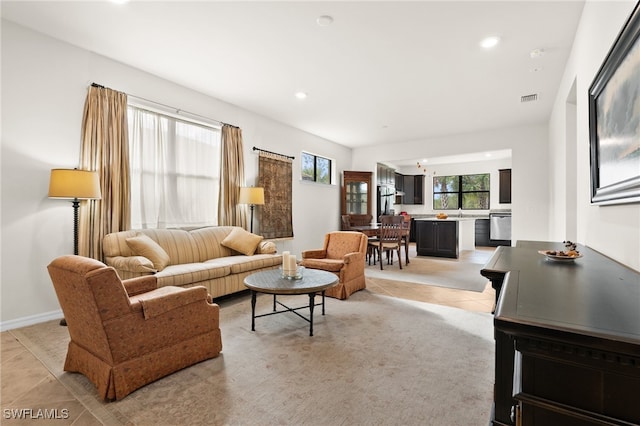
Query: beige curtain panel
[[104, 149], [275, 176], [230, 213]]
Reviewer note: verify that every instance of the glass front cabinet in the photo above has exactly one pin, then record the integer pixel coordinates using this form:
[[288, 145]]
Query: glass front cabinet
[[356, 196]]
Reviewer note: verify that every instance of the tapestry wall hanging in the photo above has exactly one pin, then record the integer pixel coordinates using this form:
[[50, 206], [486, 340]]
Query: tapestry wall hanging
[[274, 175]]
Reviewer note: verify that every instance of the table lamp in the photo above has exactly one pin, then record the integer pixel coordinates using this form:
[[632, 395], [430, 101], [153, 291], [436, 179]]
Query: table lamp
[[252, 196], [74, 185]]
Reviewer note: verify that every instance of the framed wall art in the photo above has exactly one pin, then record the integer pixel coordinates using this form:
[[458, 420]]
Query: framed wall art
[[614, 120]]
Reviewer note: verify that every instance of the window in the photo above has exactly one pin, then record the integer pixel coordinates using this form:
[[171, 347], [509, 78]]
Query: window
[[468, 192], [316, 168], [175, 170]]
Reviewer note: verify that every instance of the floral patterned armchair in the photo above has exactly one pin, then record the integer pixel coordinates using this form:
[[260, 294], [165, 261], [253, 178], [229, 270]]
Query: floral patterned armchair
[[343, 254], [126, 334]]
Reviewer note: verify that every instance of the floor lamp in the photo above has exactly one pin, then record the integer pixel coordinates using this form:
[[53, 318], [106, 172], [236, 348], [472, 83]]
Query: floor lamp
[[74, 185], [252, 196]]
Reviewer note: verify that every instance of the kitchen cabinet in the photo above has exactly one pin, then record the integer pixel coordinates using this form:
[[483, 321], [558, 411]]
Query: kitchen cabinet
[[399, 182], [412, 232], [505, 186], [386, 189], [482, 233], [418, 189], [437, 238], [412, 186], [386, 175]]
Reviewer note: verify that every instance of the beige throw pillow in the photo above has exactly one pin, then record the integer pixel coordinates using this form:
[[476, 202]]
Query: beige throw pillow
[[266, 247], [242, 241], [142, 245]]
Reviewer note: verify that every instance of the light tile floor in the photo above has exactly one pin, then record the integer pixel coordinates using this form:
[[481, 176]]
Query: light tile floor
[[467, 300], [27, 385]]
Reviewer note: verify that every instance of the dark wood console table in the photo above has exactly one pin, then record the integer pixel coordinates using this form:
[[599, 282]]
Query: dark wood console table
[[567, 338]]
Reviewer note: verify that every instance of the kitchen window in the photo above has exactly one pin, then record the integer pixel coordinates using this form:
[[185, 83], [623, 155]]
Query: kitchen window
[[467, 192], [316, 168]]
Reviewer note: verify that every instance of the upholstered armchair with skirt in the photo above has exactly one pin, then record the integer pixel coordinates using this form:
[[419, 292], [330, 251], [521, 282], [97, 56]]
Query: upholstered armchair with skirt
[[126, 334], [343, 254]]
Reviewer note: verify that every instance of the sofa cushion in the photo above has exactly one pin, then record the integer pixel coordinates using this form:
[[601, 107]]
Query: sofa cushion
[[191, 273], [240, 264], [178, 244], [208, 241], [242, 241], [141, 245], [135, 264], [331, 265]]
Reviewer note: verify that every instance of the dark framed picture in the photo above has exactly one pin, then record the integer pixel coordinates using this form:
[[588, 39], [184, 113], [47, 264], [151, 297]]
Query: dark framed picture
[[614, 120]]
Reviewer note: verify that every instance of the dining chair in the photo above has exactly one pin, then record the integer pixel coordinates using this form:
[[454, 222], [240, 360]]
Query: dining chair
[[406, 236], [372, 248], [345, 221], [389, 239], [360, 219]]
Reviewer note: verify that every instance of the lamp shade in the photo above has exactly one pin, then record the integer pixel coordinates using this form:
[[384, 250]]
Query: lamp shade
[[251, 195], [74, 183]]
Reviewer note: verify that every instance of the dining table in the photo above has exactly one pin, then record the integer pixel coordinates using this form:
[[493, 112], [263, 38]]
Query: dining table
[[372, 230]]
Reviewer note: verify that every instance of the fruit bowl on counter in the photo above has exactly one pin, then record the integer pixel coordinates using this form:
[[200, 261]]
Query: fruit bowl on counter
[[569, 254]]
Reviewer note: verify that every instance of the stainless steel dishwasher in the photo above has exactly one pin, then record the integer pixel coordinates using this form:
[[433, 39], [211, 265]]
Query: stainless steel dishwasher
[[500, 225]]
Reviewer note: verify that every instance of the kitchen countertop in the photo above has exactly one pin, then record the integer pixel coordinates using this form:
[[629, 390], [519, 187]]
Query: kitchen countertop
[[450, 218]]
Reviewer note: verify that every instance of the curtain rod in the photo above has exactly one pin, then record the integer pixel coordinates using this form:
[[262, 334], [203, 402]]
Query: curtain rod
[[274, 153], [177, 110]]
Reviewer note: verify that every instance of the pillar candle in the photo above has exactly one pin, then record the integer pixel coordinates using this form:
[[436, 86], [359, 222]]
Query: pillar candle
[[285, 260], [292, 264]]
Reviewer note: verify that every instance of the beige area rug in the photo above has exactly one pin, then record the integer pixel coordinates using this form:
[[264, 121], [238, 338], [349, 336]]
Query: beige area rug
[[462, 273], [374, 360]]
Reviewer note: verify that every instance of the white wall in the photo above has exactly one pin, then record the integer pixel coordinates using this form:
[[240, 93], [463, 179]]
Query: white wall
[[476, 167], [529, 178], [611, 230], [44, 84]]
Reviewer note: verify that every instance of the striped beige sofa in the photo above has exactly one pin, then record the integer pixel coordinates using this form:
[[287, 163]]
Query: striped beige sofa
[[218, 258]]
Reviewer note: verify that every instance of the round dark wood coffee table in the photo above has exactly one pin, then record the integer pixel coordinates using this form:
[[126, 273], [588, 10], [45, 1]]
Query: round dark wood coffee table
[[313, 281]]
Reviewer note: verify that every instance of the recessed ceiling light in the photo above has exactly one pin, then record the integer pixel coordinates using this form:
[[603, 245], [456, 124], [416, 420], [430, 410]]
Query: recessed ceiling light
[[301, 95], [536, 53], [490, 42], [324, 20]]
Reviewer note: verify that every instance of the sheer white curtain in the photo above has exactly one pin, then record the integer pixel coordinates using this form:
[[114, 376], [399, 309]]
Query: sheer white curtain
[[175, 171]]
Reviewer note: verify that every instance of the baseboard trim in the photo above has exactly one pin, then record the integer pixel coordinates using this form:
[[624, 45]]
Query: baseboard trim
[[30, 320]]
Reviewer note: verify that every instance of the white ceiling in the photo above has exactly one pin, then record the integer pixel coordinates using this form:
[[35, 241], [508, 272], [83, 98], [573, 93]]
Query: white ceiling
[[382, 72], [453, 159]]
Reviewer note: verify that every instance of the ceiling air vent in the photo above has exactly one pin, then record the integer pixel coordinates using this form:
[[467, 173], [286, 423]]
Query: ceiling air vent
[[529, 98]]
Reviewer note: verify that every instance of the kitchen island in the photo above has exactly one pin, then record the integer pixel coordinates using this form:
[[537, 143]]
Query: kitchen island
[[444, 237]]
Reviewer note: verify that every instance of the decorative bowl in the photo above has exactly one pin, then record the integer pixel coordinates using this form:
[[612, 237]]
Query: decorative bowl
[[556, 257]]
